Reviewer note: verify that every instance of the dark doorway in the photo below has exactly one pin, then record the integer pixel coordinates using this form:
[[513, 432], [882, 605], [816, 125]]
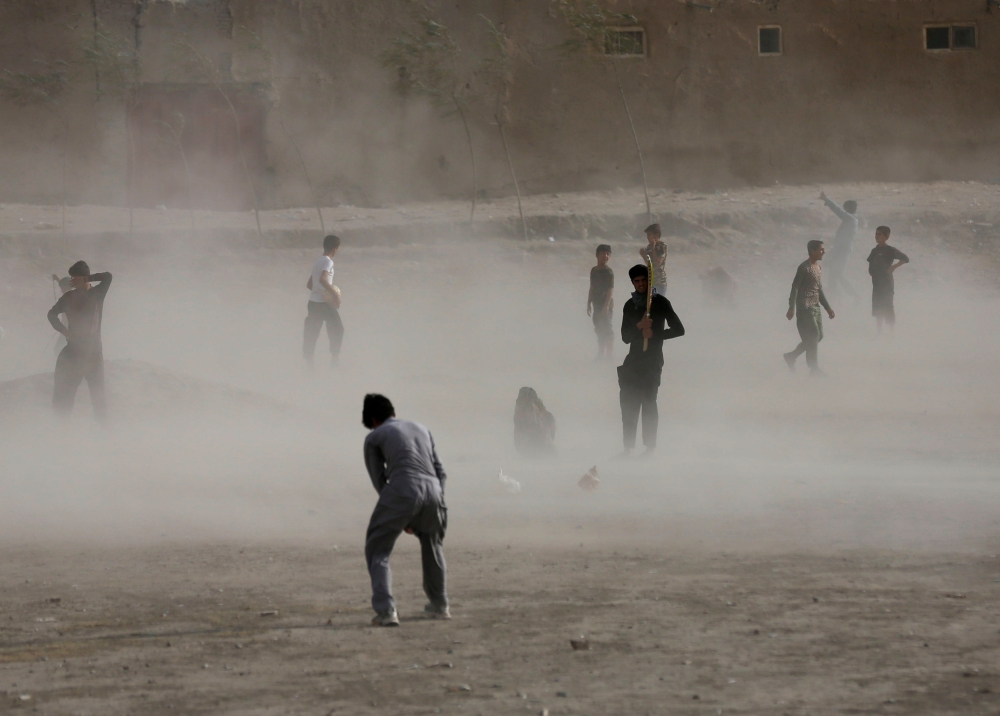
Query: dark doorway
[[187, 148]]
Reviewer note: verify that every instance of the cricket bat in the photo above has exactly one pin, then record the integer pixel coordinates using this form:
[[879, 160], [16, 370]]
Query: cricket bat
[[649, 296]]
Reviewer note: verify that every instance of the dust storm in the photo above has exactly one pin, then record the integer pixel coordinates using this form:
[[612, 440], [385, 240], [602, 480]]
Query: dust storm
[[226, 465], [798, 542]]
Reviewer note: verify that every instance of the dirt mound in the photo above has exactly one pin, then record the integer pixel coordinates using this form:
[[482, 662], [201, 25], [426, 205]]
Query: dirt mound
[[137, 388]]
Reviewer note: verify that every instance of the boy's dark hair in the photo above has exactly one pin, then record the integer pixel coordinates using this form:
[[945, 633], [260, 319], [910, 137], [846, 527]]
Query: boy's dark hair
[[80, 268], [851, 206], [813, 245], [377, 409], [653, 229], [603, 247], [637, 271], [331, 242], [885, 230]]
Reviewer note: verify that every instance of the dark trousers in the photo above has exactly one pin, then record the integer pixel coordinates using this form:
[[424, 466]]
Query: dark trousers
[[883, 295], [320, 313], [73, 366], [428, 519], [636, 399], [809, 321]]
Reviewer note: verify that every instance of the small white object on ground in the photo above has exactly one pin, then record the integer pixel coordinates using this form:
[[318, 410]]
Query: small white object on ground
[[512, 485], [590, 481]]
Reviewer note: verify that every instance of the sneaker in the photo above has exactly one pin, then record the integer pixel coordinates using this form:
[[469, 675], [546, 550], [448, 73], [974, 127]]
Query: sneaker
[[817, 373], [437, 612], [624, 455], [647, 453], [386, 619], [789, 361]]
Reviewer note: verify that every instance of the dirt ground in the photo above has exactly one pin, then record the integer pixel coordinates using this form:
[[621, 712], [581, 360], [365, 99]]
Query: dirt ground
[[225, 629], [797, 546]]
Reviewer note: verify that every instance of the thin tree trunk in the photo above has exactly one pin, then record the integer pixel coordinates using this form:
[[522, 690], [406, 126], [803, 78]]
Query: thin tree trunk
[[213, 78], [319, 212], [65, 125], [187, 175], [177, 135], [243, 160], [129, 163], [97, 71], [642, 166], [472, 158], [517, 190]]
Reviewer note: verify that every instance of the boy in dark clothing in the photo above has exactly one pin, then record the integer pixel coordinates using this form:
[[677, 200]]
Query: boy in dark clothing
[[600, 302], [881, 268], [805, 300], [639, 374], [83, 356], [65, 286]]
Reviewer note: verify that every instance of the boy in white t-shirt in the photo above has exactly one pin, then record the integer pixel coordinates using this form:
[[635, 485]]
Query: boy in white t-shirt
[[324, 300]]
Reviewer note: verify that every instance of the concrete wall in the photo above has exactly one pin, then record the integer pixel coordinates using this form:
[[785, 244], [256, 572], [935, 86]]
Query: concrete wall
[[854, 96]]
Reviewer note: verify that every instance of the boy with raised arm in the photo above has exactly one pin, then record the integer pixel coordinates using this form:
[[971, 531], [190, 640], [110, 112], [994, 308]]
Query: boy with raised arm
[[881, 268], [843, 243], [83, 357], [804, 301]]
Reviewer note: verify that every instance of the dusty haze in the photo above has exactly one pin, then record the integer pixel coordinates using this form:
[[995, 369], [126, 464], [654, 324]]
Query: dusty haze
[[797, 546], [893, 449]]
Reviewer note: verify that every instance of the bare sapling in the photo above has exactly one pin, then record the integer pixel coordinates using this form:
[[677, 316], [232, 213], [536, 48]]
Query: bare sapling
[[597, 32], [204, 66], [497, 72], [42, 90], [117, 73], [428, 62], [177, 134], [255, 45], [305, 171], [513, 177]]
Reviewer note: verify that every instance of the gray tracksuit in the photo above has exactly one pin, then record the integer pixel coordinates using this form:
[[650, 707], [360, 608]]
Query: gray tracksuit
[[406, 472]]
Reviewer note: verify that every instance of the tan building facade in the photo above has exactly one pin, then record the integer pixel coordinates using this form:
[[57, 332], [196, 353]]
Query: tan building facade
[[224, 103]]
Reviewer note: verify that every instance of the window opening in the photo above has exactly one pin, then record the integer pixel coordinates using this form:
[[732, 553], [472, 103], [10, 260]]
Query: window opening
[[937, 38], [625, 42], [950, 37], [769, 40], [963, 37]]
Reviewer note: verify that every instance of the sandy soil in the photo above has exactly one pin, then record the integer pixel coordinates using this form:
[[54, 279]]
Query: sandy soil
[[229, 467], [281, 630]]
